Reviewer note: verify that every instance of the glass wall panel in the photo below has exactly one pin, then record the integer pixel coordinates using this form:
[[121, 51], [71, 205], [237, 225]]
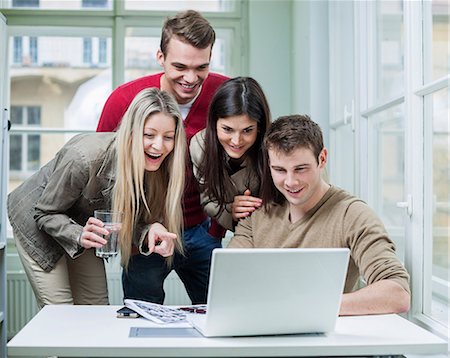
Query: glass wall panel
[[179, 5], [57, 83], [389, 51], [440, 205], [387, 158], [440, 39]]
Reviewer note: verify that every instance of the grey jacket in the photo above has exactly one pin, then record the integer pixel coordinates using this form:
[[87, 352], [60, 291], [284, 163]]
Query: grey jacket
[[49, 210], [241, 180]]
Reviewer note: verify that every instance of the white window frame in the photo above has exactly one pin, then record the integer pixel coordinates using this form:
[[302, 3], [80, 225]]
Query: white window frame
[[418, 256]]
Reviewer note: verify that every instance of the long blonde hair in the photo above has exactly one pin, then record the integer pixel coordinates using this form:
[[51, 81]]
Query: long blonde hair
[[148, 196]]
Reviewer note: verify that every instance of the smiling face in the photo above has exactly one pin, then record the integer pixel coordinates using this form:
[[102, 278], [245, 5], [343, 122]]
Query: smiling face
[[298, 177], [237, 134], [159, 139], [185, 69]]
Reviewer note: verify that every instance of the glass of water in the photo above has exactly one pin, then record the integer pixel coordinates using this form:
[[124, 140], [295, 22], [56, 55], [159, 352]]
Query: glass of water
[[113, 222]]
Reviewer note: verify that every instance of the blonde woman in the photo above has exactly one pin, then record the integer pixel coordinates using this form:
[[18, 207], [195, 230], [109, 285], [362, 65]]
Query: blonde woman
[[138, 170]]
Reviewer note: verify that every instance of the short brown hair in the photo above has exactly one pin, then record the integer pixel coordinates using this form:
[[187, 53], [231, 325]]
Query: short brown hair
[[295, 131], [285, 135], [190, 27]]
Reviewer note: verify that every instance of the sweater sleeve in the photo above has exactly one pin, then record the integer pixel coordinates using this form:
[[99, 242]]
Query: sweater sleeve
[[243, 235], [372, 249], [63, 190]]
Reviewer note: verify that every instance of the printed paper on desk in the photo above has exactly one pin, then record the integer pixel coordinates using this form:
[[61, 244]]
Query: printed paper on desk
[[156, 313]]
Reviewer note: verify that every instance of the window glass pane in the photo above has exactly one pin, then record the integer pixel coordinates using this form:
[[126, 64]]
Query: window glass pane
[[341, 158], [102, 50], [140, 53], [94, 3], [15, 152], [70, 93], [140, 56], [33, 50], [59, 91], [389, 51], [87, 51], [387, 158], [440, 204], [34, 149], [341, 66], [16, 115], [440, 41], [179, 5], [25, 3], [34, 115], [17, 49], [61, 5]]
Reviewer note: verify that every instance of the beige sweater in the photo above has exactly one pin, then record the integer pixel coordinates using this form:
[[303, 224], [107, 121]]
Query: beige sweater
[[337, 220]]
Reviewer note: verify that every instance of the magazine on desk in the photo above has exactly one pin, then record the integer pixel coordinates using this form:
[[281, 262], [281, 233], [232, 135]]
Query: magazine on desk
[[163, 314], [154, 312]]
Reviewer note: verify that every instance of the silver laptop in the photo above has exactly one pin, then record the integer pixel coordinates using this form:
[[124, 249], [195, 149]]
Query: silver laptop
[[273, 291]]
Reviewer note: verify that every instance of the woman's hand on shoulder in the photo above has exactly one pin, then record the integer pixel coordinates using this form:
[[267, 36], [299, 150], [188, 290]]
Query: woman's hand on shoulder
[[92, 234], [244, 205], [160, 241]]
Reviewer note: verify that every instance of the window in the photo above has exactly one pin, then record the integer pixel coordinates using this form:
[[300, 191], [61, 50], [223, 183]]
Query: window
[[388, 51], [87, 51], [25, 3], [386, 148], [33, 50], [25, 51], [59, 5], [178, 5], [72, 64], [437, 198], [17, 50], [401, 111], [102, 50], [435, 119], [25, 148], [94, 3], [342, 143]]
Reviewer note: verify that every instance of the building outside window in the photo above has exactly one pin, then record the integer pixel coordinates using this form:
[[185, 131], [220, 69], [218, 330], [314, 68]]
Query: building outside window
[[94, 3], [87, 50], [25, 3], [17, 49], [33, 50], [102, 50], [25, 148]]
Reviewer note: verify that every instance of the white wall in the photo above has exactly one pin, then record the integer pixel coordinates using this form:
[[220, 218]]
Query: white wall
[[270, 59], [309, 75], [288, 55]]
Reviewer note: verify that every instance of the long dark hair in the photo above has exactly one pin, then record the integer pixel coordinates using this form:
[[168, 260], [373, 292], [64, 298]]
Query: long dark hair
[[235, 97]]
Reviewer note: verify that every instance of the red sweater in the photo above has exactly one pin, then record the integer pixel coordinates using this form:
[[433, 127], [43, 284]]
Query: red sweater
[[116, 106]]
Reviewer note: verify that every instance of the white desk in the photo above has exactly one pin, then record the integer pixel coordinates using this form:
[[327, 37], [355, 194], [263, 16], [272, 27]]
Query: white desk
[[95, 331]]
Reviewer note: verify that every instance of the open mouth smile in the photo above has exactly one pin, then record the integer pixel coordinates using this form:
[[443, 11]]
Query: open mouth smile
[[186, 86], [294, 191], [153, 156]]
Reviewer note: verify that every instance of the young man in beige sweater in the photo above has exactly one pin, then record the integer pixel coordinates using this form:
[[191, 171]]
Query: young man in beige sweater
[[302, 210]]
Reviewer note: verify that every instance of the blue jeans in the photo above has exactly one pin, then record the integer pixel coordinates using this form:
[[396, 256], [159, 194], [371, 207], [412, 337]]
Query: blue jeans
[[146, 274]]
